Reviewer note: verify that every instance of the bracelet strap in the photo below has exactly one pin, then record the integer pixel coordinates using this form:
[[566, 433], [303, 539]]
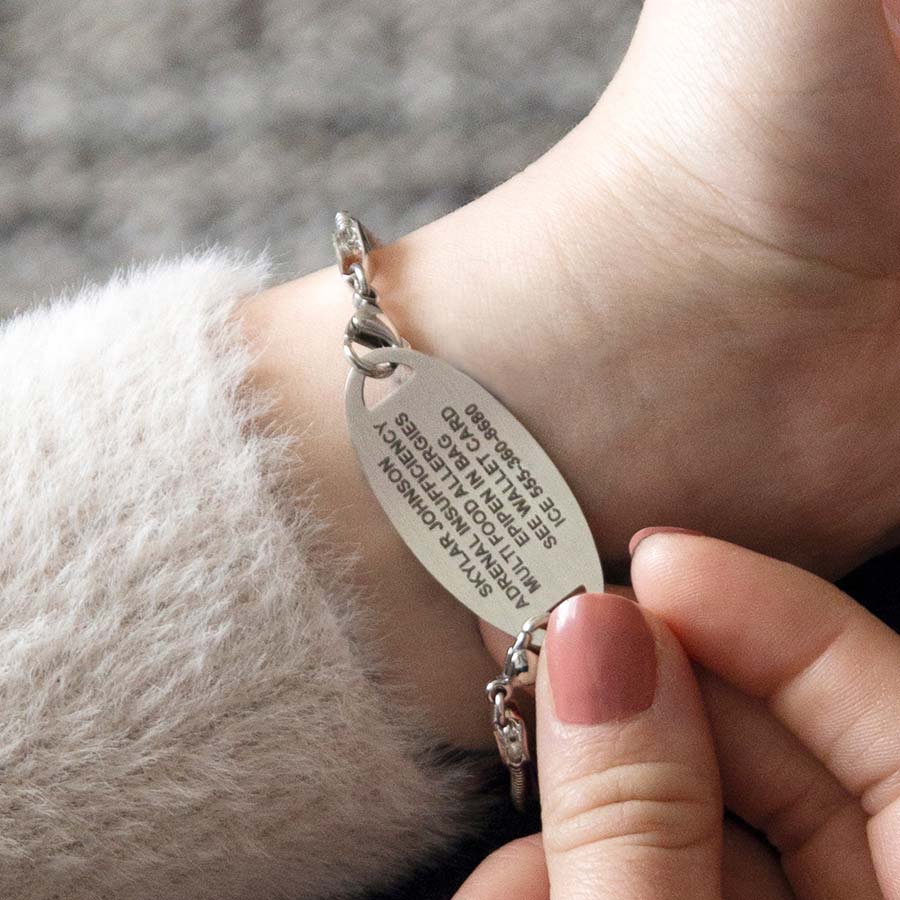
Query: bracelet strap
[[471, 492], [368, 327]]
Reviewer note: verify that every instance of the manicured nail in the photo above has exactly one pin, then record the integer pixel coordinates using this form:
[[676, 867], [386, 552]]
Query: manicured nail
[[659, 529], [602, 659]]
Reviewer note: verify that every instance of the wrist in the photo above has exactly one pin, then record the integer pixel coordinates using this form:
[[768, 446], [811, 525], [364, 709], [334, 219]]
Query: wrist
[[479, 289], [421, 638], [526, 290], [663, 358]]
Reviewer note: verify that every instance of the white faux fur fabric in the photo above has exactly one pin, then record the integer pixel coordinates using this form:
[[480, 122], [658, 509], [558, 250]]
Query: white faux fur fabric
[[188, 703]]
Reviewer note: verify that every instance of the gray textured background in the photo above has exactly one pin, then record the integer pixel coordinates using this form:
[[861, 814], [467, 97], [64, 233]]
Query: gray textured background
[[134, 128]]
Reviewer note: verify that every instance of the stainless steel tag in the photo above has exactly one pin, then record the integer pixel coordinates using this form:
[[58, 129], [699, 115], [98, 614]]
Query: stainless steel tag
[[470, 491]]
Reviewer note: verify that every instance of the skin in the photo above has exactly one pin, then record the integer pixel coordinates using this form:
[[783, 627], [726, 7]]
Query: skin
[[793, 720], [706, 270]]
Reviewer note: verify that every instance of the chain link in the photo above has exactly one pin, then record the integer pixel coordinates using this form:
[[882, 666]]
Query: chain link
[[369, 326], [510, 730]]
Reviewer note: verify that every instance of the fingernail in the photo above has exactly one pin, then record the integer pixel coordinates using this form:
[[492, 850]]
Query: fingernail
[[602, 659], [659, 529]]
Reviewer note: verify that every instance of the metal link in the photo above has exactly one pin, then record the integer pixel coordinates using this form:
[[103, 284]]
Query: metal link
[[351, 242], [363, 292], [499, 701], [371, 370], [369, 326], [510, 731]]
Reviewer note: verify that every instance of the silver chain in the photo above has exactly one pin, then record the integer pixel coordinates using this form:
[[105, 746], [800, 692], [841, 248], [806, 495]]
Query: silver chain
[[368, 326], [510, 731]]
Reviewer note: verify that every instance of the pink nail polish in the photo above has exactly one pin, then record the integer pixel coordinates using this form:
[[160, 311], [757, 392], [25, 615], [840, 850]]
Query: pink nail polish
[[658, 529], [602, 659]]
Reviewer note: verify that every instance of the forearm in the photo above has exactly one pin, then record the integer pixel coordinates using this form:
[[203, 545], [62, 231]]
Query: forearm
[[428, 639], [480, 289], [193, 701]]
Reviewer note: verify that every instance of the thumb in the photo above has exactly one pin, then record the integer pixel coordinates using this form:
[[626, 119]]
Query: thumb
[[630, 797]]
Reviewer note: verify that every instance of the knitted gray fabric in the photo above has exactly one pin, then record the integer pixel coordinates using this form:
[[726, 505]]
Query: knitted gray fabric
[[131, 130]]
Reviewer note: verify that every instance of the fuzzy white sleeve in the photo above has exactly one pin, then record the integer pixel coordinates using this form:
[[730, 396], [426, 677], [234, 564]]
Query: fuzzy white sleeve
[[189, 705]]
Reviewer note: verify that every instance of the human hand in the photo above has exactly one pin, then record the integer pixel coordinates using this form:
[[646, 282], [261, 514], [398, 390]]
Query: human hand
[[691, 301], [799, 722]]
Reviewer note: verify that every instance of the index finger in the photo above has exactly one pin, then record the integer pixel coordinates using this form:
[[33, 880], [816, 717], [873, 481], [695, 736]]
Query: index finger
[[827, 668]]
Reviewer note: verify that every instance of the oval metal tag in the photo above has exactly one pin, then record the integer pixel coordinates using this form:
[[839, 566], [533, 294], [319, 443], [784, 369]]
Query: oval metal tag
[[471, 491]]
